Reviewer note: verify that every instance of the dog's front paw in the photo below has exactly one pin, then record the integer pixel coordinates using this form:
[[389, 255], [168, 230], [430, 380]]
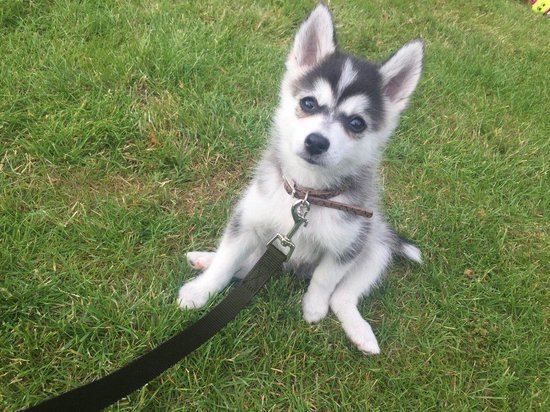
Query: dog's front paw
[[192, 296], [314, 307], [368, 347], [362, 336]]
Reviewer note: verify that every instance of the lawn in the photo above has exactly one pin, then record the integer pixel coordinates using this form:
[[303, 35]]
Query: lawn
[[127, 130]]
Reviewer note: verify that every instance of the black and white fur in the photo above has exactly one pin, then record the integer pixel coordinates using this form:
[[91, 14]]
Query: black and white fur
[[336, 114]]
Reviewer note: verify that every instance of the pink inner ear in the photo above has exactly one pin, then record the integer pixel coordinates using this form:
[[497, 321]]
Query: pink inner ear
[[393, 87], [314, 39], [310, 49]]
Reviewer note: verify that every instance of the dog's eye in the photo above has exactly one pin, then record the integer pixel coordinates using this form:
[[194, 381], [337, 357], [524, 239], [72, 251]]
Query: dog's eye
[[309, 104], [356, 124]]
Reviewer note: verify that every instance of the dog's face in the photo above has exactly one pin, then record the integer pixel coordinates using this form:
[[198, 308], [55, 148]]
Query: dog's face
[[337, 111]]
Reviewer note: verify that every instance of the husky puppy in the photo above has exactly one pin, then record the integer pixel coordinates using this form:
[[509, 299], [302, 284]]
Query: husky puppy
[[335, 115]]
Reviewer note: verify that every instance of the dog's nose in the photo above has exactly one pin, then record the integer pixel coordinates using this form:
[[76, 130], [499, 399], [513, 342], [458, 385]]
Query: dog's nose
[[316, 144]]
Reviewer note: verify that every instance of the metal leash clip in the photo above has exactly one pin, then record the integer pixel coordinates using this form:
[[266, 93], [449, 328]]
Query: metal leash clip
[[299, 210]]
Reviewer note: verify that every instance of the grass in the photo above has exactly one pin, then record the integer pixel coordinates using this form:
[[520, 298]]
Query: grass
[[127, 129]]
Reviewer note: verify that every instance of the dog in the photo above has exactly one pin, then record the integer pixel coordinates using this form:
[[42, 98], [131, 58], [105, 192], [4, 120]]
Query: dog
[[336, 114]]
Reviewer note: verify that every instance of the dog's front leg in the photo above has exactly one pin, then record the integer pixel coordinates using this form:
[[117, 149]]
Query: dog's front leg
[[228, 259], [315, 303], [357, 283]]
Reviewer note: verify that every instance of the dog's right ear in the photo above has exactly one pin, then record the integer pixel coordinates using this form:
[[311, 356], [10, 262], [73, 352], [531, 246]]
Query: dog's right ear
[[314, 41]]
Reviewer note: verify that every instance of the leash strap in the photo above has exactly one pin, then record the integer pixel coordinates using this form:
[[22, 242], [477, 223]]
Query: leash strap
[[105, 391]]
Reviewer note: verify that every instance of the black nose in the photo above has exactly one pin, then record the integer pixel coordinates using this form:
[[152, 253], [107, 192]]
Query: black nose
[[316, 144]]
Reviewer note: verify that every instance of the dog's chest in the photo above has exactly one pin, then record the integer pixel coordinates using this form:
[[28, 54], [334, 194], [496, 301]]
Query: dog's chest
[[326, 229]]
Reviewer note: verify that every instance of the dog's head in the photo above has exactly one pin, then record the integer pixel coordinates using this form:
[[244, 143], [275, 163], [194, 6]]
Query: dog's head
[[337, 111]]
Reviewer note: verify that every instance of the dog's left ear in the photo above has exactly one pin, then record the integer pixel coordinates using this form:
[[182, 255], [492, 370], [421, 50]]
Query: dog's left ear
[[314, 41], [401, 73]]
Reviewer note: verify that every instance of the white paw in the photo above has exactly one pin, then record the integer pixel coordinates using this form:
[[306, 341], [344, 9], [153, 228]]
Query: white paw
[[314, 307], [200, 260], [362, 336], [192, 296], [369, 347]]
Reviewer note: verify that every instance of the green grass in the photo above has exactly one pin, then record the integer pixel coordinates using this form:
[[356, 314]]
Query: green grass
[[127, 129]]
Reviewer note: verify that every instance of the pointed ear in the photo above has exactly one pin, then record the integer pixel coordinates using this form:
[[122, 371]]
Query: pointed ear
[[401, 73], [314, 41]]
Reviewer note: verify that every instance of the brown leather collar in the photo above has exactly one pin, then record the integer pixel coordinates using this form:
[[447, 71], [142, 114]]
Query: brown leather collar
[[321, 198]]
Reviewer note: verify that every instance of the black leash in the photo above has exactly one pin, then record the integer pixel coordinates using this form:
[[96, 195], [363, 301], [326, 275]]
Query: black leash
[[103, 392]]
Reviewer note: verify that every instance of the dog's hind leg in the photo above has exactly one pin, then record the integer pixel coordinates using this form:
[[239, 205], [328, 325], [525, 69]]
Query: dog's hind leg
[[358, 282], [200, 260], [232, 253]]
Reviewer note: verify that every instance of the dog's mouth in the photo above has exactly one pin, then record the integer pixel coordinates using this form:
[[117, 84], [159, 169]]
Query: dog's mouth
[[312, 159]]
